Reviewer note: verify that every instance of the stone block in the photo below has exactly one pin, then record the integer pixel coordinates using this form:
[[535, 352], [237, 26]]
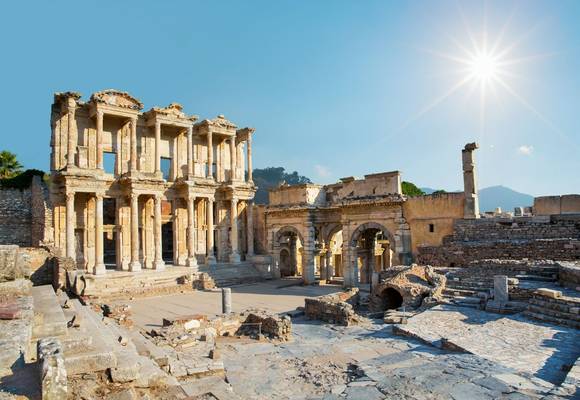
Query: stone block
[[127, 369], [53, 374], [553, 294], [500, 289]]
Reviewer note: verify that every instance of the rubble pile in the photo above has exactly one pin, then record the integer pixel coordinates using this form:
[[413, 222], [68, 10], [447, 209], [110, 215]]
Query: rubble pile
[[335, 308]]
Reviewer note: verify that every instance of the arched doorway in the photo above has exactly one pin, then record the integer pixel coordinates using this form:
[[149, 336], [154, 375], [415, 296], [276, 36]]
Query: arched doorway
[[391, 299], [288, 245], [371, 247]]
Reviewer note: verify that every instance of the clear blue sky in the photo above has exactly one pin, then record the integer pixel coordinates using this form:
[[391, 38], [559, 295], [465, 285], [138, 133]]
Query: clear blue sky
[[333, 88]]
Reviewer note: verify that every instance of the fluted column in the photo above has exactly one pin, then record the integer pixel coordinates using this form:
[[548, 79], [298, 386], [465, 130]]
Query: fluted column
[[210, 253], [158, 263], [70, 225], [235, 254], [209, 156], [133, 144], [135, 263], [157, 147], [233, 160], [190, 152], [191, 260], [70, 155], [249, 156], [100, 139], [250, 227], [99, 248]]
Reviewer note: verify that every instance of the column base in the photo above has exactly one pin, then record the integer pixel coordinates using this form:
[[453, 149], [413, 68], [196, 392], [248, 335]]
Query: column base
[[234, 257], [210, 260], [135, 266], [192, 262], [158, 265], [100, 269]]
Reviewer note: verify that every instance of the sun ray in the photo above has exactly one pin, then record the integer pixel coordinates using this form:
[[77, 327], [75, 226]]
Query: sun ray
[[503, 30]]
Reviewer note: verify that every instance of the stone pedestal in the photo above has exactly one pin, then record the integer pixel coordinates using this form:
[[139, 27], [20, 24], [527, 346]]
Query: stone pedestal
[[53, 376], [500, 289]]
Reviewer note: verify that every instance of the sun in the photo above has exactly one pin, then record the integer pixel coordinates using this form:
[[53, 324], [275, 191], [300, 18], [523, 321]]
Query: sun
[[484, 67]]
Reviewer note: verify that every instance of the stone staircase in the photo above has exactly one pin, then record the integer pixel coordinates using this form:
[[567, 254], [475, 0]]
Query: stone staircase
[[224, 274], [471, 288], [561, 310]]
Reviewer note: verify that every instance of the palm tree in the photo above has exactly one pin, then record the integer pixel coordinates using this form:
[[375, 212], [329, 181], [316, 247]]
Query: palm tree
[[9, 165]]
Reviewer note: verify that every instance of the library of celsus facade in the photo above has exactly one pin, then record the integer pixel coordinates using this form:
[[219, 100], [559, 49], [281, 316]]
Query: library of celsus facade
[[135, 190]]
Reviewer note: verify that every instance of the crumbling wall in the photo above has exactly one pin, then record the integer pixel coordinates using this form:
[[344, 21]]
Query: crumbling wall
[[569, 274], [535, 238], [335, 308]]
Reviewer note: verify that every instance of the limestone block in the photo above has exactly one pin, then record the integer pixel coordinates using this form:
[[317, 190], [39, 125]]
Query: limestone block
[[53, 374], [127, 369], [500, 289], [553, 294]]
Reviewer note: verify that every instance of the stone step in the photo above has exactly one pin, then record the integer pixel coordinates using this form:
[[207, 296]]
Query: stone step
[[99, 356], [49, 319], [232, 274], [551, 319], [553, 313], [536, 278]]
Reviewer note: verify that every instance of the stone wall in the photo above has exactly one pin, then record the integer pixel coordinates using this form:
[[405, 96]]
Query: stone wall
[[552, 205], [535, 238], [16, 217], [25, 215], [336, 308], [569, 274], [31, 263]]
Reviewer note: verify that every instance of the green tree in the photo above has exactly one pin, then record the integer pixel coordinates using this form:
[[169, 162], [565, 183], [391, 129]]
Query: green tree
[[270, 177], [440, 191], [9, 165], [409, 189]]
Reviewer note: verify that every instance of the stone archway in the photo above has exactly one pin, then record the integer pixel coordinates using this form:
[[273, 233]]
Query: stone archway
[[370, 249], [286, 246], [391, 298]]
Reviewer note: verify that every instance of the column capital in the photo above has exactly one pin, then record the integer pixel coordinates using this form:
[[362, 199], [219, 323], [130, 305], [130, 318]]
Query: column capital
[[100, 113], [99, 195], [70, 194], [134, 196]]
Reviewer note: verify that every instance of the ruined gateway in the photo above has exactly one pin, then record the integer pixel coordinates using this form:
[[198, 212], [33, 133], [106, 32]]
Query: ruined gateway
[[112, 276]]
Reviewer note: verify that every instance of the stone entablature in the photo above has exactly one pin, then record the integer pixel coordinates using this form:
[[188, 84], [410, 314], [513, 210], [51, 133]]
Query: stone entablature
[[137, 212]]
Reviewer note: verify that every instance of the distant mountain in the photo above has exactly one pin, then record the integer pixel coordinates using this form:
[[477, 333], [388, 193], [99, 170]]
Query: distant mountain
[[498, 196], [504, 197]]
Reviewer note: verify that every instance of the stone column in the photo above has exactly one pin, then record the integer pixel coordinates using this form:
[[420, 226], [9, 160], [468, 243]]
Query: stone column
[[249, 156], [209, 216], [226, 300], [135, 263], [322, 258], [250, 227], [99, 248], [70, 155], [191, 260], [471, 209], [209, 156], [100, 115], [158, 263], [133, 144], [70, 225], [190, 152], [157, 147], [308, 268], [234, 255], [329, 266], [233, 159]]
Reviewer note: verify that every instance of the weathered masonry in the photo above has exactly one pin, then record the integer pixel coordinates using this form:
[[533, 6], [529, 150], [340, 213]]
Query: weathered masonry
[[359, 226], [133, 190]]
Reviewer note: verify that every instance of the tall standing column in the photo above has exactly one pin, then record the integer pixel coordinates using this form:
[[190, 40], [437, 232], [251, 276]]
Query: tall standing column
[[249, 156], [209, 156], [70, 155], [70, 225], [329, 266], [233, 159], [99, 248], [471, 208], [157, 147], [235, 254], [190, 152], [135, 263], [133, 144], [158, 263], [191, 260], [250, 227], [210, 251], [100, 139]]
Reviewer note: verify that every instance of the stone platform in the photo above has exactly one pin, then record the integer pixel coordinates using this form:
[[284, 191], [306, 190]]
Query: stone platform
[[542, 350]]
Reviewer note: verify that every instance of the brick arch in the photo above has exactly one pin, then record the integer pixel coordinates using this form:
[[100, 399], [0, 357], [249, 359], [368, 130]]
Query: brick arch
[[371, 225]]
